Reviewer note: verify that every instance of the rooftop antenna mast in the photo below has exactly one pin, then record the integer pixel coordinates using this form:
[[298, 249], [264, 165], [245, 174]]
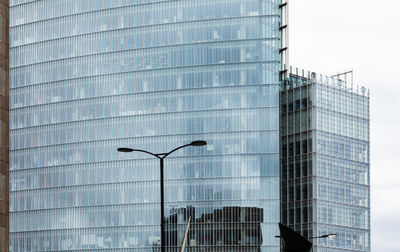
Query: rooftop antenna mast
[[344, 76]]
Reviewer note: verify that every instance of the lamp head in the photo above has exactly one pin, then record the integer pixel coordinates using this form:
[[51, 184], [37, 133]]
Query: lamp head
[[198, 143], [327, 235], [125, 149]]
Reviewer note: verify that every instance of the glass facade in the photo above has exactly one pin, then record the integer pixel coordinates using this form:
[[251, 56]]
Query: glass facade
[[325, 161], [87, 77]]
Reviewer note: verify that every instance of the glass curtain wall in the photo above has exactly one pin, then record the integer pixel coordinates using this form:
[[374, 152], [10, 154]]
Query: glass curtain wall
[[87, 77], [325, 163], [342, 184]]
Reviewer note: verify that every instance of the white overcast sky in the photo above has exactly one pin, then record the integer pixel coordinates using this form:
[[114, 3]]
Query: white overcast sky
[[328, 36]]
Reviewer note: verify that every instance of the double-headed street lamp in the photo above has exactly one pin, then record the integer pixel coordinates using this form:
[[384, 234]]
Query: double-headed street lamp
[[161, 156]]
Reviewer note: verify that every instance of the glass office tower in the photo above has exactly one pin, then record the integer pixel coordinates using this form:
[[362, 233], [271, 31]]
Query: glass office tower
[[89, 76], [325, 161]]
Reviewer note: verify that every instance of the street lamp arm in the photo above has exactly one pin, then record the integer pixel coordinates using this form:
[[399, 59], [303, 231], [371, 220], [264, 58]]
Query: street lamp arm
[[322, 236], [163, 155], [144, 151], [180, 147]]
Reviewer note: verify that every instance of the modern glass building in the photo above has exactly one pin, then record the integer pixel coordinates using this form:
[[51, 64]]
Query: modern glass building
[[325, 161], [89, 76]]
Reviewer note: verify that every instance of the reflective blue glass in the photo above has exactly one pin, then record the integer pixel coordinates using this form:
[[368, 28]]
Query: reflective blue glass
[[87, 77]]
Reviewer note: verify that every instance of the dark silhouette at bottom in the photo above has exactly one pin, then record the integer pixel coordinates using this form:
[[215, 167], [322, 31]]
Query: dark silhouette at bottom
[[293, 241]]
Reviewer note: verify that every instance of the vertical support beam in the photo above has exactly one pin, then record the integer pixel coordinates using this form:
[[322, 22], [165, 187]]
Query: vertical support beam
[[4, 127], [284, 36]]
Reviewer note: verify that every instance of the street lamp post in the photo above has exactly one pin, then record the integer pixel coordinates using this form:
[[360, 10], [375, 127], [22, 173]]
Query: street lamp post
[[161, 157]]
